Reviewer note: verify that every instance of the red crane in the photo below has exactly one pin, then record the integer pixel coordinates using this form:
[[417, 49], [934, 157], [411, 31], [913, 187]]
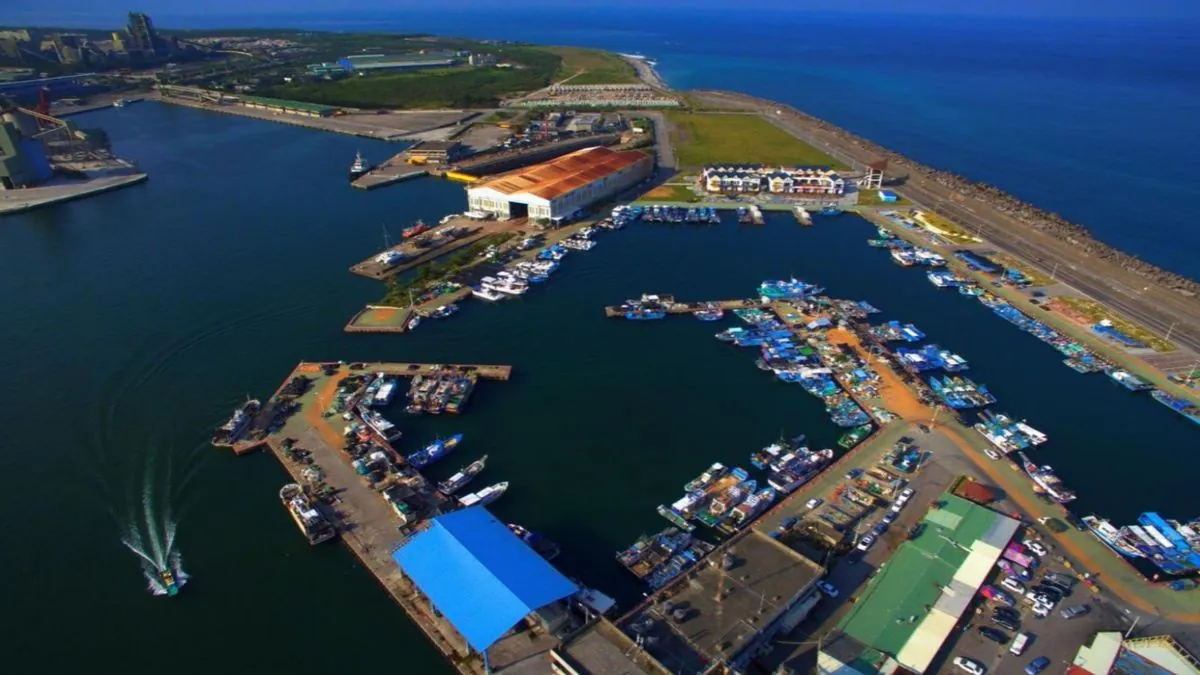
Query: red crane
[[43, 106]]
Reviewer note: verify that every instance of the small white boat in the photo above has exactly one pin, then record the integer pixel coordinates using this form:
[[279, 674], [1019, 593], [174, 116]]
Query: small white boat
[[485, 496]]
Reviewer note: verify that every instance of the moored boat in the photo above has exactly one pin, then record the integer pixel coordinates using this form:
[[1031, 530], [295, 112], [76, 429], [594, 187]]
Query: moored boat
[[1180, 405], [359, 167], [485, 496], [541, 545], [237, 424], [1112, 537], [463, 476], [312, 523], [1045, 478]]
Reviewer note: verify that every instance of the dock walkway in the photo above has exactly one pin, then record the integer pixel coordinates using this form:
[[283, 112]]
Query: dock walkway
[[672, 306]]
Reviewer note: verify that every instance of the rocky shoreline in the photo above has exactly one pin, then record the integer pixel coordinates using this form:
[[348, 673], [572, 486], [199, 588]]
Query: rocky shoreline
[[1036, 218]]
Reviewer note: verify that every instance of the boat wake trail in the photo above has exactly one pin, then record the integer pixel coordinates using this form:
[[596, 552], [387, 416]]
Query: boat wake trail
[[149, 532]]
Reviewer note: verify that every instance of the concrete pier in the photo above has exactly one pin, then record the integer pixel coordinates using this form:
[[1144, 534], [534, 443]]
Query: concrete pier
[[671, 306], [25, 199]]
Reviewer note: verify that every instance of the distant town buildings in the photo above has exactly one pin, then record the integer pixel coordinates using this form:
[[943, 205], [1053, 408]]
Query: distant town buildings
[[776, 180], [482, 59], [138, 43]]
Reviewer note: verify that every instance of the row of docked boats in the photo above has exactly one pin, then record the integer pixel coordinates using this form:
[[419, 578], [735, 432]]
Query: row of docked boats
[[1006, 434], [961, 393], [647, 308], [517, 278], [894, 331], [439, 392], [908, 256], [930, 357], [1171, 546], [657, 213]]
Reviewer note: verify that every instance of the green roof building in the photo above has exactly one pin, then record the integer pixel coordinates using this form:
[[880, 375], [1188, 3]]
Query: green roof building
[[918, 596]]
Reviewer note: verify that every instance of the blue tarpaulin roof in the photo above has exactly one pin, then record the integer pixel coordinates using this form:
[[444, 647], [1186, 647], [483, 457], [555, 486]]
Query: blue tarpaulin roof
[[479, 574]]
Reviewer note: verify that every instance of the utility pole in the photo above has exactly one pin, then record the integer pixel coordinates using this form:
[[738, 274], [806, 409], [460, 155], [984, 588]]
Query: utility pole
[[1133, 625], [1054, 273], [1171, 329]]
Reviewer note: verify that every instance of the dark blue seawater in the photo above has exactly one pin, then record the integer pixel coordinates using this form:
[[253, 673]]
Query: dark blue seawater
[[1091, 119]]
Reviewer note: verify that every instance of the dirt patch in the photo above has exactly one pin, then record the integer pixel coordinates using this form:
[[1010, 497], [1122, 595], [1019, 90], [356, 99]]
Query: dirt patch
[[896, 396], [380, 315], [1069, 312]]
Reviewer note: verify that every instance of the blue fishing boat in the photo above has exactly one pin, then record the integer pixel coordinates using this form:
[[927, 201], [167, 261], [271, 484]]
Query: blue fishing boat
[[434, 451], [1180, 405], [787, 289], [830, 211], [644, 314]]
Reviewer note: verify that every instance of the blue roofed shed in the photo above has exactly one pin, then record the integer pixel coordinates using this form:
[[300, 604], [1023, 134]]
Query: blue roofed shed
[[480, 575]]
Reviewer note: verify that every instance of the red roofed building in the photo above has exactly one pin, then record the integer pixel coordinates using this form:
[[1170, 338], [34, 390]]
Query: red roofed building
[[559, 188]]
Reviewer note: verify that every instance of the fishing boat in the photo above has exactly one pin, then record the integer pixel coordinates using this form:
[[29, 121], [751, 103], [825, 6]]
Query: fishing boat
[[236, 425], [413, 322], [942, 278], [359, 167], [763, 458], [753, 507], [315, 526], [507, 285], [541, 545], [385, 392], [678, 564], [799, 470], [463, 476], [444, 311], [379, 424], [485, 496], [1045, 478], [169, 582], [1117, 539], [1129, 380], [830, 211], [854, 436], [650, 551], [644, 314], [709, 314], [485, 293], [722, 505], [415, 229], [710, 476], [787, 289], [1180, 405], [435, 451]]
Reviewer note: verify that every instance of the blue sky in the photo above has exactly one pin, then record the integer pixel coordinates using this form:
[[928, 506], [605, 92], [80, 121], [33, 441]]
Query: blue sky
[[106, 13]]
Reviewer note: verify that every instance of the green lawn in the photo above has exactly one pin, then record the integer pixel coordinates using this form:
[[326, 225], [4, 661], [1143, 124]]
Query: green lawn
[[595, 66], [701, 139]]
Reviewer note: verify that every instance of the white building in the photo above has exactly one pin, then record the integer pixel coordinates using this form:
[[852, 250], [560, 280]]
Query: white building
[[560, 187], [805, 180]]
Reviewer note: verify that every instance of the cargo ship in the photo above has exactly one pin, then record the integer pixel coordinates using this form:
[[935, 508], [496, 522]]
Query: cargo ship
[[359, 168], [315, 526]]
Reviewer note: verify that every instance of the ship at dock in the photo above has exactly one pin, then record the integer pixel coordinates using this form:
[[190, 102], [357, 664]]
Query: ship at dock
[[1045, 478], [792, 471], [359, 168], [659, 558], [722, 505], [312, 523], [1129, 380], [235, 427], [540, 544], [700, 492], [485, 496], [961, 393], [434, 451], [438, 393], [1180, 405], [1170, 546], [789, 289], [463, 476]]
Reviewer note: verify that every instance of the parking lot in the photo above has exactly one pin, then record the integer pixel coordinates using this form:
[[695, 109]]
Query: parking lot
[[1054, 637]]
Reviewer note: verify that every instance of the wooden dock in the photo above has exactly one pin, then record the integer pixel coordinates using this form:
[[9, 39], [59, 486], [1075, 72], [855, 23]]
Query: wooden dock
[[672, 306]]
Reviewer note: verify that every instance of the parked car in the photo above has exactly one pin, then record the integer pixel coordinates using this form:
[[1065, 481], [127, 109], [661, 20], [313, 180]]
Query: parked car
[[1037, 665], [1061, 579], [827, 588], [853, 473], [865, 543], [969, 665], [1007, 613], [1019, 644], [814, 502], [1013, 585], [907, 493], [1005, 622], [993, 634], [1036, 547], [1041, 611], [1074, 611], [897, 505], [991, 453], [889, 519], [916, 530]]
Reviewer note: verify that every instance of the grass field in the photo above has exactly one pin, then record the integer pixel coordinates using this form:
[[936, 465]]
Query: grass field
[[701, 139], [670, 193], [945, 229], [594, 66], [375, 316], [1094, 311]]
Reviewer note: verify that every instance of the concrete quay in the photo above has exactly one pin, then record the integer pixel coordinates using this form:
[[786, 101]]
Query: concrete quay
[[63, 190], [103, 103], [672, 306], [414, 256]]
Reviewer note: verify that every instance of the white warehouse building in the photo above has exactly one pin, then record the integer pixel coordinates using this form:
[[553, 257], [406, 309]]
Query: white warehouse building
[[558, 188]]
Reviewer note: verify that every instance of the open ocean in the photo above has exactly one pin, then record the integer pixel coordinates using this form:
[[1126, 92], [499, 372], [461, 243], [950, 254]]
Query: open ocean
[[1091, 119]]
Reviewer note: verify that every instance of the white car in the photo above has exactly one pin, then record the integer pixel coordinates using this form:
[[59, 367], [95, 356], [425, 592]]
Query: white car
[[907, 493], [827, 588], [865, 543], [1036, 547], [1013, 585], [991, 453], [969, 665], [888, 519], [1041, 611], [899, 504], [814, 502]]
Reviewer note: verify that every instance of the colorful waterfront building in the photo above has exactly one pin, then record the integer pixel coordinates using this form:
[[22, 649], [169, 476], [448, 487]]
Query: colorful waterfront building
[[800, 180]]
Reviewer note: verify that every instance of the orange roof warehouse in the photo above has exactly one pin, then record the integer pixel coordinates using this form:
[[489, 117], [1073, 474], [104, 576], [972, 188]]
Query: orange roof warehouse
[[559, 188]]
